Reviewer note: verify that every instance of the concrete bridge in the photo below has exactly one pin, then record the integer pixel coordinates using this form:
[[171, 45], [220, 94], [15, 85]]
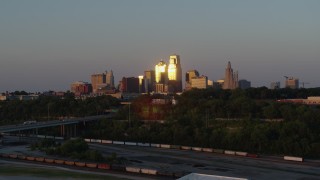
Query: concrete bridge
[[67, 125]]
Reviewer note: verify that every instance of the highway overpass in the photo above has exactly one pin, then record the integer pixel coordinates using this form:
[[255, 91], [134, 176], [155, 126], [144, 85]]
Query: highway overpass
[[37, 125]]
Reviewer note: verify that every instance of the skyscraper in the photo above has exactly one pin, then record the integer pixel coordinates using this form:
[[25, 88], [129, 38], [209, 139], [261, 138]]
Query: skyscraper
[[102, 80], [175, 74], [231, 78], [161, 72], [110, 79], [189, 75], [149, 79], [199, 82], [98, 80], [292, 83]]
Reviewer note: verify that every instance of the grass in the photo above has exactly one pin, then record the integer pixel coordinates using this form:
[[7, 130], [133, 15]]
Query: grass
[[8, 170]]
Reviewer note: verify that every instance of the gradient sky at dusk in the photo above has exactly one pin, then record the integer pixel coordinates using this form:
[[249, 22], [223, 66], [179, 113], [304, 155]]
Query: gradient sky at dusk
[[47, 45]]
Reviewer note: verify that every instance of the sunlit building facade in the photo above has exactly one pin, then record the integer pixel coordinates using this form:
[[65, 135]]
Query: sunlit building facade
[[79, 88], [292, 83], [231, 78], [189, 75], [161, 72], [102, 81], [174, 74], [199, 82]]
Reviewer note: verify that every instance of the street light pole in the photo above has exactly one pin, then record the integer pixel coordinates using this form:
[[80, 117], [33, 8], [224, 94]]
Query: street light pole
[[129, 115]]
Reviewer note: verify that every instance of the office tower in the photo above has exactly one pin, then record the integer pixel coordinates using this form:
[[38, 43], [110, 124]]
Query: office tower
[[149, 79], [98, 81], [79, 88], [275, 85], [189, 75], [161, 72], [161, 76], [141, 84], [110, 79], [129, 85], [174, 74], [244, 84], [292, 83], [231, 78], [199, 82]]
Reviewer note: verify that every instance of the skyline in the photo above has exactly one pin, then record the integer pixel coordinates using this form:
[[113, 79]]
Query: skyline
[[47, 45]]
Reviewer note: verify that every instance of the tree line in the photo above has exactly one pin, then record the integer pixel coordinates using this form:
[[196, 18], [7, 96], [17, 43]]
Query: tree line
[[224, 119]]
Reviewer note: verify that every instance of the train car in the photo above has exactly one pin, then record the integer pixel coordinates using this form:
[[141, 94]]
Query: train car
[[252, 155], [87, 140], [91, 165], [106, 141], [133, 169], [80, 164], [144, 144], [209, 150], [118, 142], [155, 145], [220, 151], [130, 143], [14, 156], [70, 163], [185, 147], [149, 171], [228, 152], [95, 140], [22, 157], [48, 160], [196, 149], [239, 153], [104, 166], [59, 161], [30, 158], [293, 158], [118, 167], [165, 146], [40, 159], [175, 146], [58, 138]]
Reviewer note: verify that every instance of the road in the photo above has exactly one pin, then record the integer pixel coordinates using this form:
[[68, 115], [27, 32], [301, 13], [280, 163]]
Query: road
[[20, 127]]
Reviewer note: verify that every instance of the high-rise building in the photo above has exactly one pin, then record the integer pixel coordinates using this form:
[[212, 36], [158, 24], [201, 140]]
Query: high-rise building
[[292, 83], [102, 81], [141, 84], [110, 79], [149, 79], [244, 84], [275, 85], [161, 72], [174, 74], [231, 78], [199, 82], [79, 88], [98, 81], [189, 75], [129, 85]]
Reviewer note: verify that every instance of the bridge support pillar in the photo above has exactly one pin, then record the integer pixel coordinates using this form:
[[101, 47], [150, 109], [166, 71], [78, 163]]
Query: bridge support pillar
[[62, 130]]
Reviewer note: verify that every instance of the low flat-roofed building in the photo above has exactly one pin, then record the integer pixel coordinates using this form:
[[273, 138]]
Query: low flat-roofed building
[[196, 176]]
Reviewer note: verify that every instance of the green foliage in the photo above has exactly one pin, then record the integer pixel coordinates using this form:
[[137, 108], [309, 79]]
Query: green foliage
[[238, 119], [53, 107]]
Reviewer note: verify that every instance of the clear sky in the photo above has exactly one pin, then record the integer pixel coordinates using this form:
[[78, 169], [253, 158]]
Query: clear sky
[[48, 44]]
